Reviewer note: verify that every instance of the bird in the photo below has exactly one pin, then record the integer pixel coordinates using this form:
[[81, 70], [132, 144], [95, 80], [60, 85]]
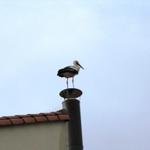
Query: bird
[[70, 71]]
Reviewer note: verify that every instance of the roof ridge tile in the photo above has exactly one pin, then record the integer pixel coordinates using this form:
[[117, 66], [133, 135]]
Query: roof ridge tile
[[34, 118]]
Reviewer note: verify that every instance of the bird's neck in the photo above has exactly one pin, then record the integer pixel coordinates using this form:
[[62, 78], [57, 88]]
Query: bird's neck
[[76, 67]]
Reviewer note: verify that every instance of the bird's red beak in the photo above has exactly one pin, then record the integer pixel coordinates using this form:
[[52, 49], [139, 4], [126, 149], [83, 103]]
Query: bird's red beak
[[80, 66]]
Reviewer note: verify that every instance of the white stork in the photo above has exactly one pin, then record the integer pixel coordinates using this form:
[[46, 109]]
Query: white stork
[[70, 71]]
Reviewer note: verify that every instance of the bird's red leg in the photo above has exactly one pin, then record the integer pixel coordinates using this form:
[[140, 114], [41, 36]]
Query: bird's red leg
[[67, 83], [73, 82]]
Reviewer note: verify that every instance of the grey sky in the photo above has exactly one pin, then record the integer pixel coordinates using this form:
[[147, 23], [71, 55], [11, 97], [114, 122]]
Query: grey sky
[[111, 40]]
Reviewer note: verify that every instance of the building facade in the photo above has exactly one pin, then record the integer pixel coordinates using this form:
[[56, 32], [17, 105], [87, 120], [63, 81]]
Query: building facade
[[46, 131]]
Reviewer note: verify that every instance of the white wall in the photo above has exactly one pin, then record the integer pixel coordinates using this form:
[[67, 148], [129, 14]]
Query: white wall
[[44, 136]]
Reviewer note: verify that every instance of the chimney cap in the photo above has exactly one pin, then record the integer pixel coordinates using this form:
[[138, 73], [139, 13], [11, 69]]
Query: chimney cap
[[70, 93]]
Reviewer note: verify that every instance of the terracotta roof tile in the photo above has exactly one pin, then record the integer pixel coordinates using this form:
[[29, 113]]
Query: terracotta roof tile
[[40, 118], [34, 118], [4, 122], [28, 119], [63, 117], [52, 117]]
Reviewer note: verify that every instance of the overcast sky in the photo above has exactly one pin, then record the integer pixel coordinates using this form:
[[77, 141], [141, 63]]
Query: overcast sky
[[111, 40]]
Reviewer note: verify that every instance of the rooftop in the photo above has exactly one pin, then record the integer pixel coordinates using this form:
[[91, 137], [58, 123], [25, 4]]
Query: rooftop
[[34, 118]]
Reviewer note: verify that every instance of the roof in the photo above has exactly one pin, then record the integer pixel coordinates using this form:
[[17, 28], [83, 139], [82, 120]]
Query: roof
[[34, 118]]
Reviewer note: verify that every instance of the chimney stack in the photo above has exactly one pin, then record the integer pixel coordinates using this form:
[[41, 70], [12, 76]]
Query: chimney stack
[[72, 105]]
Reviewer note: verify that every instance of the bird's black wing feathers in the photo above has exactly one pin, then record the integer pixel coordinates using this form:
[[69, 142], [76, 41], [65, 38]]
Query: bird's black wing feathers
[[66, 69]]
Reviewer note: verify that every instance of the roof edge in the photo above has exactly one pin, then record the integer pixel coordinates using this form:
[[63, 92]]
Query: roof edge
[[60, 115]]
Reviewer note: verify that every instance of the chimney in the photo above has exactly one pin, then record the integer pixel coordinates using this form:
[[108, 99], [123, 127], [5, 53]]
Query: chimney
[[72, 105]]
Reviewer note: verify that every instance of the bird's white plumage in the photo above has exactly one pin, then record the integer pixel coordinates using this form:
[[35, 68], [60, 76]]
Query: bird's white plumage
[[75, 67], [70, 71]]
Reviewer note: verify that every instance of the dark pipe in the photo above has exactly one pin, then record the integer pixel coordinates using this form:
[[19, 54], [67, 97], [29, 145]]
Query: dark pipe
[[74, 125]]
